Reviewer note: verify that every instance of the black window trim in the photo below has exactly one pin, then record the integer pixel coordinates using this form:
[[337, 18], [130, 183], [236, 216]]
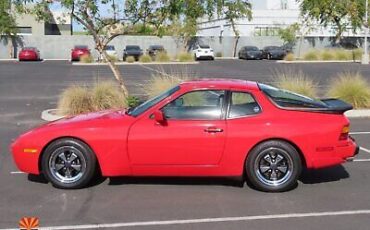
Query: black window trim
[[223, 108], [228, 102]]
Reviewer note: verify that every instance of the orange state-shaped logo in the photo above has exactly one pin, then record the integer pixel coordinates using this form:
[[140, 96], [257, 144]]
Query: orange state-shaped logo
[[29, 223]]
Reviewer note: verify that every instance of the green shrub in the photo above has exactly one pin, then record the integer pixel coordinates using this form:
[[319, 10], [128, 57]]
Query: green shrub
[[185, 57], [132, 101], [130, 59], [289, 57], [163, 81], [145, 59], [162, 57], [357, 54], [219, 54], [86, 58], [75, 100], [343, 55], [328, 55], [103, 95], [296, 81], [106, 95], [311, 55], [352, 88]]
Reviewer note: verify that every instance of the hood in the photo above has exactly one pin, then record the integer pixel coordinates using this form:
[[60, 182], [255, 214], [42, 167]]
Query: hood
[[101, 115]]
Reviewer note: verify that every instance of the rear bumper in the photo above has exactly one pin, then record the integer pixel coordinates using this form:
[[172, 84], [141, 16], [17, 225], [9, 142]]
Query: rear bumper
[[340, 154]]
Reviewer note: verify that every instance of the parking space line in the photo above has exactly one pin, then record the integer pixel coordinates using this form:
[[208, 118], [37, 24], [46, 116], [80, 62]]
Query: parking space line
[[359, 133], [361, 160], [365, 150], [17, 172], [211, 220]]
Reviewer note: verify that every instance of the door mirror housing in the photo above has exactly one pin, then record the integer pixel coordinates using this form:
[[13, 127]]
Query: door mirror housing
[[159, 117]]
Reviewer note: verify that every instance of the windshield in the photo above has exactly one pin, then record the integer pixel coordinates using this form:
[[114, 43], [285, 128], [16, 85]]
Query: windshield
[[109, 48], [81, 47], [252, 48], [150, 103], [132, 47], [204, 46], [155, 47], [285, 98]]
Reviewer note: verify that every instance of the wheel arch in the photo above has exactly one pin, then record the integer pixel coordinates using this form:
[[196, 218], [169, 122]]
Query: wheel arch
[[301, 155], [66, 137]]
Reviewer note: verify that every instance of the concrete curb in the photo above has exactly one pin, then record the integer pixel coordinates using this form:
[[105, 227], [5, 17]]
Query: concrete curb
[[318, 61], [136, 63], [356, 113], [226, 58], [50, 115]]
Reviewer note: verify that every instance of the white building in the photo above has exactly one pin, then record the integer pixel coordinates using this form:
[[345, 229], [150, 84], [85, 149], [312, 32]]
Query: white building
[[268, 16]]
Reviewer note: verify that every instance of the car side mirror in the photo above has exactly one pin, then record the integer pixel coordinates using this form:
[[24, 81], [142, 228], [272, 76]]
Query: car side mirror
[[159, 117]]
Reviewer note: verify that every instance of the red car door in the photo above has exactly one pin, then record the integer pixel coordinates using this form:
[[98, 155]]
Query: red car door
[[194, 132]]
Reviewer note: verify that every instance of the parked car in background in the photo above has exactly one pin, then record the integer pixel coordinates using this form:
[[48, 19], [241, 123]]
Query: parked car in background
[[208, 127], [153, 50], [29, 54], [273, 52], [111, 51], [288, 48], [250, 52], [78, 51], [132, 51], [203, 52]]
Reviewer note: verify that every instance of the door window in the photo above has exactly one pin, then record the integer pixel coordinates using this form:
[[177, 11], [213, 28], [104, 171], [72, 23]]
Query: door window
[[196, 105], [243, 104]]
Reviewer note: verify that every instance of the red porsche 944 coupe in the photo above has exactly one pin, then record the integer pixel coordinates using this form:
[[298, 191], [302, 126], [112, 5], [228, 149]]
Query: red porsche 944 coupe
[[203, 127]]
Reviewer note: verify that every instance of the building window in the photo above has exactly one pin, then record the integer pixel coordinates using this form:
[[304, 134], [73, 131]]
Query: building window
[[24, 30], [284, 4], [266, 31]]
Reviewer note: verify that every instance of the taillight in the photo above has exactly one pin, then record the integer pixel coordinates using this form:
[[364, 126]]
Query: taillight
[[344, 133]]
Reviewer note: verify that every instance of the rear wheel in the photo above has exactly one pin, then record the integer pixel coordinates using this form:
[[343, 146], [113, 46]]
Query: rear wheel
[[69, 163], [273, 166]]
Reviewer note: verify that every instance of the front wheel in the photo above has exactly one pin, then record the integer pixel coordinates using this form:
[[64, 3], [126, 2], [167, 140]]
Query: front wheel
[[273, 166], [69, 163]]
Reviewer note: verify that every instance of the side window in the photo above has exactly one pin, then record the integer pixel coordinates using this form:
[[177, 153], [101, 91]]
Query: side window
[[196, 105], [243, 104]]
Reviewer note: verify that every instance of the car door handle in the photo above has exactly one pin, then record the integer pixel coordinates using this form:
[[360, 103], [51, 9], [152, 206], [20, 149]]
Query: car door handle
[[213, 130]]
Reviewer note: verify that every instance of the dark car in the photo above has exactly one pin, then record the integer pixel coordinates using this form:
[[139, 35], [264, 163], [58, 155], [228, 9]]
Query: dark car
[[250, 52], [155, 49], [288, 48], [273, 52], [132, 51]]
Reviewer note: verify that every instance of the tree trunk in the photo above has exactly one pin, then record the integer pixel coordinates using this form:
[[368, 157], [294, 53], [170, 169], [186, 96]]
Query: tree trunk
[[236, 41], [115, 71]]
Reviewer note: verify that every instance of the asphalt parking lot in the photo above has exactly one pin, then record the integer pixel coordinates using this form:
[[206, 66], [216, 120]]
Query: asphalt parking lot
[[333, 198]]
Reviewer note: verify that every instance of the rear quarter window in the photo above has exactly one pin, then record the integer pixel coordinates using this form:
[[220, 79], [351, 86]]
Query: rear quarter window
[[287, 99]]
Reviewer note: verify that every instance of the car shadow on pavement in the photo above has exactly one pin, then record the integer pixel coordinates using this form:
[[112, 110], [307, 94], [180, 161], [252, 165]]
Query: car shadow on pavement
[[227, 181], [318, 176], [42, 180]]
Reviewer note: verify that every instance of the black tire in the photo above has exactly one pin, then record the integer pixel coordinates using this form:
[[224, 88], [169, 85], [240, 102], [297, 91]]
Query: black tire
[[270, 177], [268, 56], [83, 158]]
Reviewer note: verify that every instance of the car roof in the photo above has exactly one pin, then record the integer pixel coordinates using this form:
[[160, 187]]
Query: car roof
[[206, 83]]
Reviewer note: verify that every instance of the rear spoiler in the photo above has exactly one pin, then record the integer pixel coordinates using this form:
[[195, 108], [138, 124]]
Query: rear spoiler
[[335, 106]]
